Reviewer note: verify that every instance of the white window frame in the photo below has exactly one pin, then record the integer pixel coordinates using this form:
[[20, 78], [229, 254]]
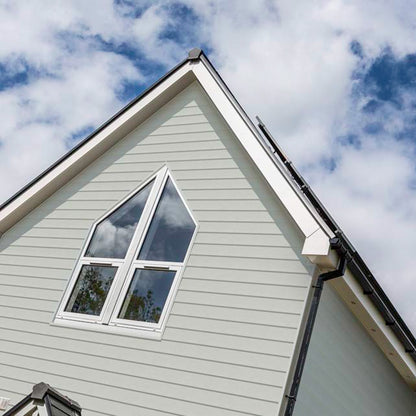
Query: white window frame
[[108, 319]]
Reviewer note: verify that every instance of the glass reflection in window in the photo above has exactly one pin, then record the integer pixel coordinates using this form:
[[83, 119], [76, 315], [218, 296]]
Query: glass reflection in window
[[147, 295], [91, 289], [171, 229], [113, 235]]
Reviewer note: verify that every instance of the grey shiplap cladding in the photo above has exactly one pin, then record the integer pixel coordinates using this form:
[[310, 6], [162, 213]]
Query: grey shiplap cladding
[[346, 373], [228, 342]]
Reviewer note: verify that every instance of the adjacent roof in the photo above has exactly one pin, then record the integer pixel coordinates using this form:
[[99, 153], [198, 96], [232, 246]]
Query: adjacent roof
[[46, 397], [310, 215]]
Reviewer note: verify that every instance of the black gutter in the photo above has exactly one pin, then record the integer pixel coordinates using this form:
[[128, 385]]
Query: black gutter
[[316, 297], [360, 270]]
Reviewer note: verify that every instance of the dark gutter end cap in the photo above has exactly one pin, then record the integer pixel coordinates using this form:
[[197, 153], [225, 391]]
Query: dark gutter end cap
[[194, 54]]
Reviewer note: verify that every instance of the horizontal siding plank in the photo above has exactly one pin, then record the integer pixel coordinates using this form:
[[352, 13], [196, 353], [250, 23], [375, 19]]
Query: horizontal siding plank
[[227, 205], [50, 233], [153, 165], [196, 174], [87, 214], [43, 262], [31, 271], [115, 186], [191, 128], [40, 293], [236, 314], [185, 119], [213, 184], [66, 224], [41, 242], [208, 324], [245, 263], [101, 206], [189, 111], [241, 251], [238, 227], [240, 302], [181, 137], [240, 239], [178, 156], [34, 304], [98, 196], [248, 276], [221, 194], [64, 253], [188, 146], [228, 216], [32, 282], [233, 342], [244, 289]]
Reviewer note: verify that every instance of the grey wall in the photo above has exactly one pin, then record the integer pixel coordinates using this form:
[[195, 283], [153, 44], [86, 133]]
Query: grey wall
[[230, 336], [346, 373]]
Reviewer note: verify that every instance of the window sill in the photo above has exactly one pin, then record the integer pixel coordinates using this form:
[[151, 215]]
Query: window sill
[[109, 329]]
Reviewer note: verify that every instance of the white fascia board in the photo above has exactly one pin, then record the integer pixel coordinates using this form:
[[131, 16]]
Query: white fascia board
[[370, 317], [95, 147], [316, 235]]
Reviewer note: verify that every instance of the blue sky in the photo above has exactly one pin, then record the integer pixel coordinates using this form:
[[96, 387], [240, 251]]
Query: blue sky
[[334, 80]]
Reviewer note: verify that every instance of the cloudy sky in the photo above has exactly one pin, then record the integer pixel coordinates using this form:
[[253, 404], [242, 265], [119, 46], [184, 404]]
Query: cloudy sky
[[334, 80]]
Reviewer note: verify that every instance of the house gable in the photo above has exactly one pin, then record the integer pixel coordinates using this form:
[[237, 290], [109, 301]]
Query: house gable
[[229, 339]]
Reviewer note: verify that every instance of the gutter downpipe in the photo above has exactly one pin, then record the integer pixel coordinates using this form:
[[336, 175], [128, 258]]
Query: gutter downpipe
[[316, 297]]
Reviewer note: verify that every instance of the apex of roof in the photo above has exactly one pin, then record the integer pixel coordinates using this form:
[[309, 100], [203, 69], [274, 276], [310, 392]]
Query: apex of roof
[[194, 54]]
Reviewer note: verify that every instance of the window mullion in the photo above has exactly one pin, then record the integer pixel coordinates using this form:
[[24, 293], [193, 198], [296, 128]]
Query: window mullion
[[131, 252]]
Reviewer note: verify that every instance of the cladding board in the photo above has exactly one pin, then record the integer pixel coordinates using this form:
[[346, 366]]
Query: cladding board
[[227, 345], [343, 358]]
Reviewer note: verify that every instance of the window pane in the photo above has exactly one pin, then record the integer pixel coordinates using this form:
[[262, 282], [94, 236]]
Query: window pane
[[147, 295], [113, 235], [91, 289], [171, 229]]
